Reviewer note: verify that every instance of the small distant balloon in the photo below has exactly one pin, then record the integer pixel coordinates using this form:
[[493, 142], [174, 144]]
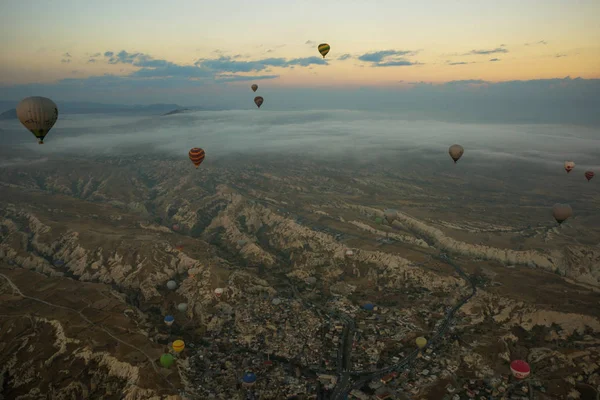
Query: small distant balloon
[[38, 115], [182, 307], [324, 49], [172, 285], [175, 227], [589, 175], [311, 280], [390, 215], [561, 212], [258, 100], [178, 346], [254, 87], [166, 360], [456, 151], [379, 220], [218, 292], [276, 301], [520, 369], [421, 342], [197, 155], [569, 165], [169, 319]]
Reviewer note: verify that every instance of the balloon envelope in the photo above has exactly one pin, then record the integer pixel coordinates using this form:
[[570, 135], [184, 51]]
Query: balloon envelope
[[520, 369], [421, 342], [589, 175], [169, 319], [166, 360], [561, 212], [38, 115], [569, 165], [219, 291], [254, 87], [171, 285], [258, 100], [324, 49], [182, 307], [197, 156], [456, 151], [178, 346]]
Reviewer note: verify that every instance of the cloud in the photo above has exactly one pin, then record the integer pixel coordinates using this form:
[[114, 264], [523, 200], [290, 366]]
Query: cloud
[[482, 52], [310, 43], [91, 60], [65, 60], [66, 55], [228, 64], [459, 62], [541, 42], [344, 57], [494, 59], [108, 54], [389, 58], [560, 55], [96, 55]]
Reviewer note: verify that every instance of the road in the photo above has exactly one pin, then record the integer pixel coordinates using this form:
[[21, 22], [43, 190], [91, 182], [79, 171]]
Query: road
[[345, 384]]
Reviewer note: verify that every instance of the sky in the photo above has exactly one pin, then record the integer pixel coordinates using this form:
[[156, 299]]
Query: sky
[[196, 52]]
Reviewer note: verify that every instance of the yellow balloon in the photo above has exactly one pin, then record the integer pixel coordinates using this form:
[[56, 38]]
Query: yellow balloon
[[178, 346], [421, 342], [324, 49]]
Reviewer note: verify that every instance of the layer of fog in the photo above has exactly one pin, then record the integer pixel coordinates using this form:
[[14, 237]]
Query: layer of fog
[[319, 133]]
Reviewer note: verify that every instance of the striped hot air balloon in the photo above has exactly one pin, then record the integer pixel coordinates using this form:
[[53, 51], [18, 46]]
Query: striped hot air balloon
[[178, 346], [324, 49], [520, 369], [38, 115], [589, 175], [197, 156], [258, 100]]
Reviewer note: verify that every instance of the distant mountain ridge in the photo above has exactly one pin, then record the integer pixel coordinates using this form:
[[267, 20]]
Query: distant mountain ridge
[[71, 107]]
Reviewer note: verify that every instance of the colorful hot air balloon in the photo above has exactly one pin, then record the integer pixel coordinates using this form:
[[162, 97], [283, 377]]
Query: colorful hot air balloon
[[561, 212], [421, 342], [38, 115], [520, 369], [324, 49], [197, 156], [166, 360], [178, 346], [248, 379], [368, 306], [456, 151], [589, 175], [258, 100], [569, 165], [169, 319], [378, 220], [254, 87]]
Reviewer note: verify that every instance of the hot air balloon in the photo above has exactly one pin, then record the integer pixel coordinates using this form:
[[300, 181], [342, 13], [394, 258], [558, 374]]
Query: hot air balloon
[[258, 100], [197, 156], [520, 369], [421, 342], [569, 165], [589, 175], [218, 292], [166, 360], [254, 87], [349, 253], [178, 346], [182, 307], [561, 212], [38, 115], [390, 215], [368, 306], [378, 220], [456, 151], [172, 285], [241, 242], [169, 319], [248, 379], [324, 49], [311, 280], [175, 227], [276, 301]]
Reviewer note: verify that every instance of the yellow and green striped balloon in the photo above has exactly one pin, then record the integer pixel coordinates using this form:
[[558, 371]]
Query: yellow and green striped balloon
[[324, 49]]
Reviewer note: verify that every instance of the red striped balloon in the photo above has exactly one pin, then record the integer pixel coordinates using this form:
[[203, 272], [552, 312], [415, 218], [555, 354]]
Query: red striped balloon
[[589, 175], [197, 156]]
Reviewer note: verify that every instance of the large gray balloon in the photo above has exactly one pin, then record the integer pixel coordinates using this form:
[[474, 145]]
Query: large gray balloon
[[561, 212], [456, 151], [172, 285]]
